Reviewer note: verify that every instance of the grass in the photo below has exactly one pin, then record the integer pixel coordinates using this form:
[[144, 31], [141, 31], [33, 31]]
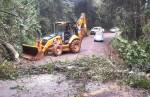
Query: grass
[[137, 81], [8, 71], [142, 83]]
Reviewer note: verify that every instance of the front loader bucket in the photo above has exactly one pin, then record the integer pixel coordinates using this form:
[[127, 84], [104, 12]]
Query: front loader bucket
[[31, 53]]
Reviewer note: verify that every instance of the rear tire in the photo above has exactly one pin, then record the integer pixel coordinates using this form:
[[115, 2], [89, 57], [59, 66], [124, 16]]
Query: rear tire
[[58, 50], [75, 46]]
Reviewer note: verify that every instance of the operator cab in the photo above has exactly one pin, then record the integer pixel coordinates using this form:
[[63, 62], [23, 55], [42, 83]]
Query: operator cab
[[64, 30]]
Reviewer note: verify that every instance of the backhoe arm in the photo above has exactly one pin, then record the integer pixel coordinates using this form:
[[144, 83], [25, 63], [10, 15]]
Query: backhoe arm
[[82, 25]]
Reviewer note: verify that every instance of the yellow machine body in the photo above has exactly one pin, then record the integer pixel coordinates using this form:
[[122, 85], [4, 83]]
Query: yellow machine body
[[51, 43], [55, 43], [82, 26]]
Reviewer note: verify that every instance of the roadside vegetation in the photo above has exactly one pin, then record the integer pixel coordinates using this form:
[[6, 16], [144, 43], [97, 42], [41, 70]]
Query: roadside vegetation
[[133, 44], [8, 71], [136, 57]]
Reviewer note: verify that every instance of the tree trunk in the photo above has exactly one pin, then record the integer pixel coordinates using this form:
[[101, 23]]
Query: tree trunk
[[11, 52], [3, 53]]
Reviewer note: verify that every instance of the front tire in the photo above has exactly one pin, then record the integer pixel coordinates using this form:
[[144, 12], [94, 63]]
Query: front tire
[[75, 46], [58, 50]]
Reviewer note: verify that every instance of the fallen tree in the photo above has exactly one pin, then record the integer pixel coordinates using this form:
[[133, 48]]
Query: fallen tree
[[7, 51]]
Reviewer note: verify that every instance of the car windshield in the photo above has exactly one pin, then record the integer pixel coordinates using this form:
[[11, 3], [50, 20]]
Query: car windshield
[[115, 28], [95, 28]]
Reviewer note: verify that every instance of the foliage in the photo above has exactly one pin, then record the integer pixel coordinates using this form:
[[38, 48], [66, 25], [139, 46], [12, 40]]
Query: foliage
[[27, 20], [147, 9], [146, 29], [49, 68], [8, 71], [133, 54], [34, 70], [142, 83], [137, 81], [52, 11], [18, 21], [92, 68]]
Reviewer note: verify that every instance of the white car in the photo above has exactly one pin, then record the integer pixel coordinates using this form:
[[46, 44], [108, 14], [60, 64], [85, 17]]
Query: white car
[[95, 29], [99, 37], [114, 29]]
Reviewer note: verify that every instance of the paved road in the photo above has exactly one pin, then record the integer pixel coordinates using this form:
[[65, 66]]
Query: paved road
[[88, 48]]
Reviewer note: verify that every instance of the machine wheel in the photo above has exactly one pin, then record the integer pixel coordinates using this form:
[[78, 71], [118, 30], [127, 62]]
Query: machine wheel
[[46, 53], [75, 46], [58, 50]]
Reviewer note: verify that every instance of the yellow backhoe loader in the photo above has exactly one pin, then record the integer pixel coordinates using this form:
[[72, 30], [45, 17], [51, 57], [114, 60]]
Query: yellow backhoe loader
[[63, 39]]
